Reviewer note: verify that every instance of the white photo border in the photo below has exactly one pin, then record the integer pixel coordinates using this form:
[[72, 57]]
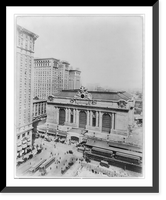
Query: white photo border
[[147, 181]]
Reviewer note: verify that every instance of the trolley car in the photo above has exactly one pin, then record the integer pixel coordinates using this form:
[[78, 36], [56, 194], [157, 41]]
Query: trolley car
[[102, 152], [36, 167], [128, 158], [46, 164]]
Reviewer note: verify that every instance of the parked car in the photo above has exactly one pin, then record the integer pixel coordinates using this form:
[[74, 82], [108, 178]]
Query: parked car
[[62, 140], [81, 144], [20, 161], [104, 163], [30, 156]]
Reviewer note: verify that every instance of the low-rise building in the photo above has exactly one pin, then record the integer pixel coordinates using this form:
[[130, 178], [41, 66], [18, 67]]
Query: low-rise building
[[39, 109]]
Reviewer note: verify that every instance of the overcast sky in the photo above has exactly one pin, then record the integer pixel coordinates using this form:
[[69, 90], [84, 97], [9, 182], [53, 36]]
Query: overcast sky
[[107, 50]]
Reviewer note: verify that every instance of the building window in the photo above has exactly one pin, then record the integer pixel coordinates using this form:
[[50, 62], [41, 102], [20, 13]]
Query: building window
[[93, 119], [71, 116]]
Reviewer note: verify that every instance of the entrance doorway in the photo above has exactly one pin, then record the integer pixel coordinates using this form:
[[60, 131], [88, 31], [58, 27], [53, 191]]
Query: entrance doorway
[[82, 119], [106, 123]]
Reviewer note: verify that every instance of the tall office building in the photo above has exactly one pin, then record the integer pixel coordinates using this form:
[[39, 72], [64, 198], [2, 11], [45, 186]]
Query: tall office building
[[45, 77], [74, 79], [63, 75], [25, 41], [52, 75]]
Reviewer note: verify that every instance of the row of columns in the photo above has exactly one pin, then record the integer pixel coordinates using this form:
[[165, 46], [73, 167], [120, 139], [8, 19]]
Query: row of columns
[[89, 113], [41, 110]]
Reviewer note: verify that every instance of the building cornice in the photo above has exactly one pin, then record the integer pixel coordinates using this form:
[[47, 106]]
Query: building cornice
[[99, 100], [23, 131], [25, 49], [86, 107], [21, 29], [35, 59], [24, 125]]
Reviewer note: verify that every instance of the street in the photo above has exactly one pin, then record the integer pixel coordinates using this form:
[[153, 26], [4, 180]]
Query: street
[[67, 164], [63, 157]]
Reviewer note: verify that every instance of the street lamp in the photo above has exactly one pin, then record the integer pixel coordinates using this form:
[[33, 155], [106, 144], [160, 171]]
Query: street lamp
[[108, 137]]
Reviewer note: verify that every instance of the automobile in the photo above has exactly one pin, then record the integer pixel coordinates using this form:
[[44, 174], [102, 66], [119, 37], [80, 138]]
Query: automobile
[[70, 151], [62, 140], [87, 160], [34, 152], [26, 157], [42, 136], [47, 139], [104, 163], [80, 149], [39, 151], [30, 156], [87, 149], [37, 135], [20, 161], [81, 144], [56, 139]]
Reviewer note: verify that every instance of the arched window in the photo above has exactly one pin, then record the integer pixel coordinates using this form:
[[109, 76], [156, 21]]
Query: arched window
[[93, 118]]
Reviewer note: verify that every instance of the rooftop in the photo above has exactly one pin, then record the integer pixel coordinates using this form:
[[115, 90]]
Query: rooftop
[[46, 59], [20, 28], [97, 95], [65, 62], [72, 70], [36, 99]]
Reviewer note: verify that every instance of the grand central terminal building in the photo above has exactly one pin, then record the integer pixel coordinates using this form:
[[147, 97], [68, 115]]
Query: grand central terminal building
[[95, 111]]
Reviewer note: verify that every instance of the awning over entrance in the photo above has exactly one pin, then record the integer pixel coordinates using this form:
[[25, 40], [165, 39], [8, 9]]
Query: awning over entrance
[[60, 133], [75, 138], [110, 145], [51, 133]]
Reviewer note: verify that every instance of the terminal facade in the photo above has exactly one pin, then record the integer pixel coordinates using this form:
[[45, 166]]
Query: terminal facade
[[109, 112]]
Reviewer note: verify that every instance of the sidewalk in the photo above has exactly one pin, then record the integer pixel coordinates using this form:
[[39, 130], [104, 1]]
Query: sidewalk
[[106, 136]]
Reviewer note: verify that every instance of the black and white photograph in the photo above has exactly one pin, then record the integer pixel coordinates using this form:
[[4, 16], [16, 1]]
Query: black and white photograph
[[79, 93]]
